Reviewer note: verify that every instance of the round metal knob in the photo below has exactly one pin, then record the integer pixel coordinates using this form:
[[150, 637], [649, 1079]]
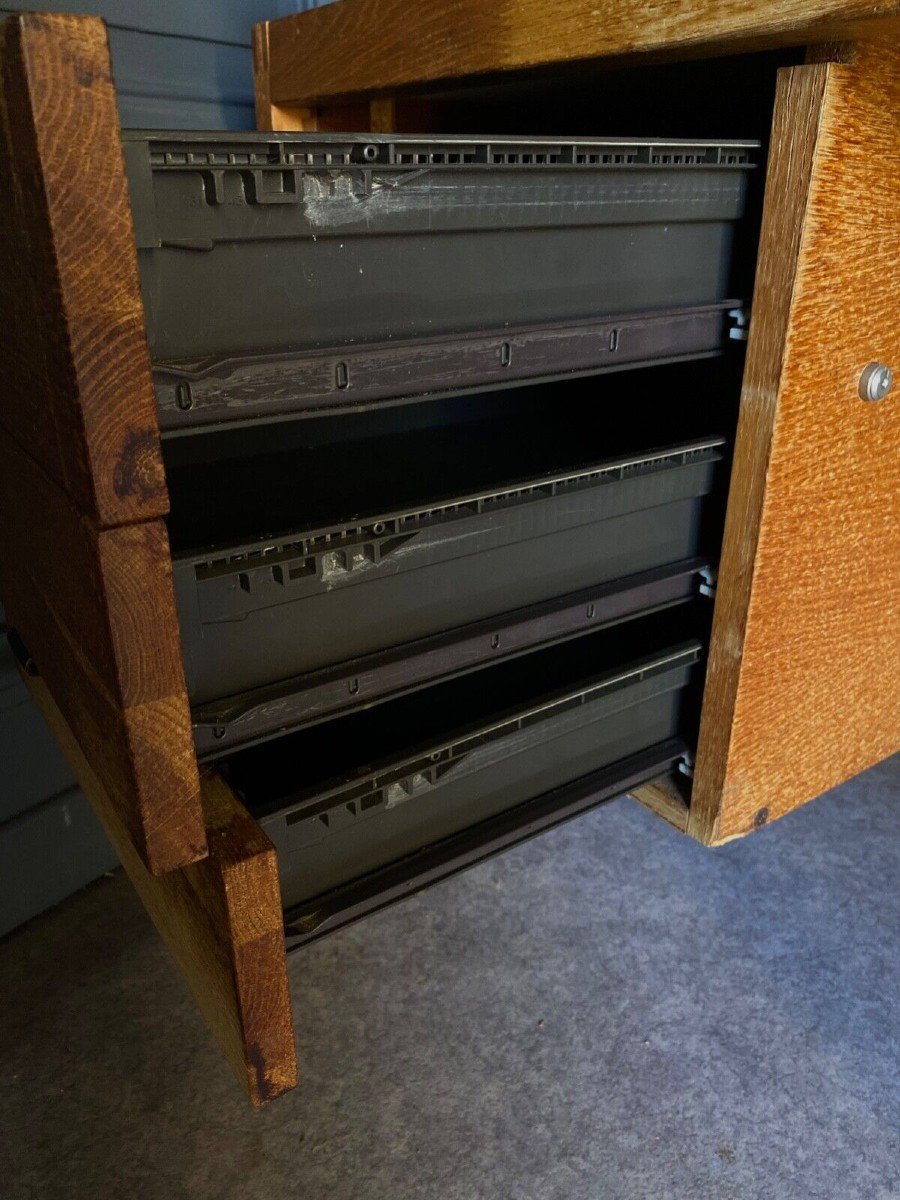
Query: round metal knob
[[875, 381]]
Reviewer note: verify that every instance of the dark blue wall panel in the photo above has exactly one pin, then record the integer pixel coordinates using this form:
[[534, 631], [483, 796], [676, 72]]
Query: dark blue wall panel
[[180, 64]]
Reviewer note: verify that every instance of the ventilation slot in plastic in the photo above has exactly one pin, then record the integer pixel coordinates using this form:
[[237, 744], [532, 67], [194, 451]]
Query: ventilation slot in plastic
[[435, 158], [606, 159]]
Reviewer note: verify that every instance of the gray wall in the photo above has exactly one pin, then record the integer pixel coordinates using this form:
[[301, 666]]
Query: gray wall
[[180, 64]]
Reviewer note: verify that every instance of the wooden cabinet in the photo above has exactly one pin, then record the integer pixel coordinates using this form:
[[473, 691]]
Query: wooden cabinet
[[801, 686], [801, 689]]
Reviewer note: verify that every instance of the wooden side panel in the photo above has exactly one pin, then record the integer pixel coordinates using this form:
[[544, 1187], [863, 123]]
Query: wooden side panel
[[663, 798], [380, 115], [75, 387], [220, 918], [361, 46], [401, 114], [85, 571], [271, 116], [802, 686], [96, 609]]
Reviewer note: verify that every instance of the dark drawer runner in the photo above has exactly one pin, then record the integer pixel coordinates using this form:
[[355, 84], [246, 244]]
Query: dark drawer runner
[[313, 919], [193, 396], [252, 716]]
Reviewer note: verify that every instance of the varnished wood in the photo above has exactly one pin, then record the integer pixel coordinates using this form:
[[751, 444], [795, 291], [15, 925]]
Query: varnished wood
[[96, 609], [665, 800], [85, 571], [795, 130], [271, 116], [220, 918], [75, 386], [377, 46], [802, 684], [400, 114], [383, 115]]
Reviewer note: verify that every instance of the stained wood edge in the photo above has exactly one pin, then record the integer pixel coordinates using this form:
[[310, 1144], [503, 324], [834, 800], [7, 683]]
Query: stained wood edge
[[263, 103], [803, 660], [271, 116], [362, 47], [797, 116], [664, 799], [74, 364], [96, 610], [220, 918]]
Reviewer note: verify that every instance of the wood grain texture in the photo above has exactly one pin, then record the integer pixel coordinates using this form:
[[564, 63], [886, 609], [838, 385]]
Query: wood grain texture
[[802, 684], [382, 115], [220, 918], [665, 800], [361, 46], [75, 386], [96, 609], [271, 116]]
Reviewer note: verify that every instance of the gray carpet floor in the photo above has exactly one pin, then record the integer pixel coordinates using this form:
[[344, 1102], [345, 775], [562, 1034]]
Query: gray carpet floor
[[608, 1011]]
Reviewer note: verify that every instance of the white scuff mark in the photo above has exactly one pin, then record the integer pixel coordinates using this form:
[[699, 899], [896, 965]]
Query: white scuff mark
[[338, 199]]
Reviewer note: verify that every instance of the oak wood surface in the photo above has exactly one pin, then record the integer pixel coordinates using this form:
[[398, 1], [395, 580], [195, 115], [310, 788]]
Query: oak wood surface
[[381, 115], [803, 682], [75, 386], [665, 800], [96, 610], [269, 115], [361, 46], [221, 919], [85, 570]]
